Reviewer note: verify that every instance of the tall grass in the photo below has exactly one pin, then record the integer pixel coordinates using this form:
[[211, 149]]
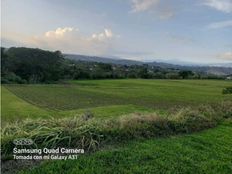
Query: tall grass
[[90, 133]]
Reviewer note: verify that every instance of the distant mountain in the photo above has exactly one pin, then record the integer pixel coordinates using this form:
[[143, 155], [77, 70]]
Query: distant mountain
[[210, 69], [103, 59], [215, 69], [178, 62], [222, 65], [185, 63]]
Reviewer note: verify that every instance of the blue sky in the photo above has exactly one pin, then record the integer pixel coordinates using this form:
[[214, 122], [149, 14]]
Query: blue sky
[[197, 31]]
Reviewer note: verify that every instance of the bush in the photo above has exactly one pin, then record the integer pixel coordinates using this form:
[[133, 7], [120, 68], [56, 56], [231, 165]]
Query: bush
[[12, 78], [224, 109], [227, 90], [187, 120], [90, 133]]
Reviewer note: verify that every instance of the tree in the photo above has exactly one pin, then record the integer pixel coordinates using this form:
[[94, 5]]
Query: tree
[[143, 72], [32, 65], [185, 74]]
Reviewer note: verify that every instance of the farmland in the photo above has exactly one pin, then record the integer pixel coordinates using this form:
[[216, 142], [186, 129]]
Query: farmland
[[112, 97], [118, 99]]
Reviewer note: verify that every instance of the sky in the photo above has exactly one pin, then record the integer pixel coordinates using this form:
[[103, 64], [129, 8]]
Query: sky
[[197, 31]]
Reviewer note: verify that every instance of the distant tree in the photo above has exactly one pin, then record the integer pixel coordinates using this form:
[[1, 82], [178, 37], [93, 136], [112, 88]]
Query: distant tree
[[172, 75], [143, 72], [185, 74], [29, 65]]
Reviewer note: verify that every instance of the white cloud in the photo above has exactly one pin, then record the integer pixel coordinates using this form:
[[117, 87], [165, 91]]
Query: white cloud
[[221, 24], [107, 34], [70, 40], [226, 56], [221, 5], [143, 5], [59, 32]]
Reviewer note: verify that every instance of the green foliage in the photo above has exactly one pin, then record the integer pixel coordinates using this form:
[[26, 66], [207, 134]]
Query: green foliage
[[227, 90], [31, 65], [12, 78], [186, 74]]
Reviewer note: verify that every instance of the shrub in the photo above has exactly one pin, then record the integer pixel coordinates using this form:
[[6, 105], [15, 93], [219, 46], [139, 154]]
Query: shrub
[[90, 133], [187, 121], [227, 90], [224, 109], [12, 78]]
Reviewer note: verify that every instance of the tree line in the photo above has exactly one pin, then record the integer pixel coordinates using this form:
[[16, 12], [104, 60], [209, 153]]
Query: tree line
[[29, 65]]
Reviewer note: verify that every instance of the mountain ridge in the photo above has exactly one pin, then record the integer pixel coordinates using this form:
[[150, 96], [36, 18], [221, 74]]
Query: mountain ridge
[[219, 69]]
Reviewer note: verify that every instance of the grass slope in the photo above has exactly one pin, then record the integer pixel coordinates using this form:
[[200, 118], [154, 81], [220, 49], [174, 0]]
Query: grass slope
[[15, 108], [158, 94], [208, 152]]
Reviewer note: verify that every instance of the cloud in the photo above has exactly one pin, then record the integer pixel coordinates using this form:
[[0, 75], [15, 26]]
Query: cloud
[[143, 5], [68, 40], [66, 32], [107, 34], [221, 5], [159, 9], [59, 32], [226, 56], [221, 24]]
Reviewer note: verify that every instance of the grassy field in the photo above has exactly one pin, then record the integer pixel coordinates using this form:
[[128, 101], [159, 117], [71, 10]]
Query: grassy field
[[206, 152], [15, 108], [107, 97], [147, 93]]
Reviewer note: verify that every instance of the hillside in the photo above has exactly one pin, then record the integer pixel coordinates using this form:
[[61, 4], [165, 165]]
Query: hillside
[[29, 65], [221, 69], [102, 59]]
